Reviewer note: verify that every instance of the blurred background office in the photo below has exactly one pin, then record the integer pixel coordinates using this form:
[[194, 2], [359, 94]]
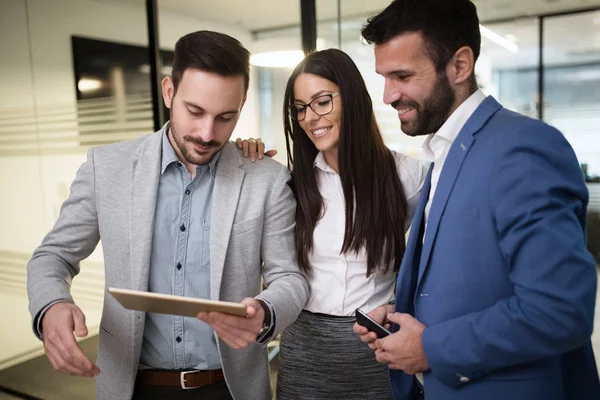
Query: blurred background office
[[78, 73]]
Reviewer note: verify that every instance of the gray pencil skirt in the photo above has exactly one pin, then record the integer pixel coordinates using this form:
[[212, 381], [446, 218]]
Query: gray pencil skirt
[[322, 358]]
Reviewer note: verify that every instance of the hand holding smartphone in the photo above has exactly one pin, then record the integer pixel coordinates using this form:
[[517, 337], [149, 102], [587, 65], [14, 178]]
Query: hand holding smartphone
[[364, 320]]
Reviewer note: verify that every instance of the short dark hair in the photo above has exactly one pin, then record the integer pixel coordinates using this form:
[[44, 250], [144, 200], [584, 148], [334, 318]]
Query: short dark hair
[[211, 52], [375, 203], [446, 26]]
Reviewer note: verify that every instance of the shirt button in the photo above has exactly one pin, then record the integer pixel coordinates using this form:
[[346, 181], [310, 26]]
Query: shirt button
[[187, 191], [178, 265], [182, 228], [178, 339], [464, 379]]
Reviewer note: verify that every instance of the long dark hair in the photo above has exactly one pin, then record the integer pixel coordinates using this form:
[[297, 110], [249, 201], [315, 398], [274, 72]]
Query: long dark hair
[[376, 208]]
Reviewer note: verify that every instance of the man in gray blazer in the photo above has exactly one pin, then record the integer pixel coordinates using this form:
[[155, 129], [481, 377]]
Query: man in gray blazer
[[179, 212]]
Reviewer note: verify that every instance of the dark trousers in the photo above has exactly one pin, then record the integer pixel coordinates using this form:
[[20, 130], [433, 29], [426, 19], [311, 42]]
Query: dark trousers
[[217, 391]]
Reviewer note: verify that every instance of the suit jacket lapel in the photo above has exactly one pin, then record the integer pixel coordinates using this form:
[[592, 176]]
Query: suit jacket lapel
[[456, 156], [406, 268], [145, 175], [228, 183]]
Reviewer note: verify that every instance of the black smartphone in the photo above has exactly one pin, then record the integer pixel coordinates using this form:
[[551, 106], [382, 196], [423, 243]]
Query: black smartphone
[[364, 320]]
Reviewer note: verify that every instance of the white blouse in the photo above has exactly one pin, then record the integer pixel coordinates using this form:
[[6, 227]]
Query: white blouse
[[338, 282]]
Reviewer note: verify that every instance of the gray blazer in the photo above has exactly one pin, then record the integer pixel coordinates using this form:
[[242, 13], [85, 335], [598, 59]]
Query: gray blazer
[[113, 198]]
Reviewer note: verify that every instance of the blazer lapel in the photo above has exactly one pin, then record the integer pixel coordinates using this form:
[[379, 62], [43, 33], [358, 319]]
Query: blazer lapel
[[406, 272], [228, 183], [456, 156], [145, 175]]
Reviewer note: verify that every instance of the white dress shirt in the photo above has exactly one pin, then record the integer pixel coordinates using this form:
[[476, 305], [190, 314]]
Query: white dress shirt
[[338, 282], [437, 145]]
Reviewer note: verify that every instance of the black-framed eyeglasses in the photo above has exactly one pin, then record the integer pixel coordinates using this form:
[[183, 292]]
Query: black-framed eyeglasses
[[321, 105]]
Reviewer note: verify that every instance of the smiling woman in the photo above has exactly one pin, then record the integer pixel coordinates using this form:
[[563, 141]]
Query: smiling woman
[[319, 113], [355, 197]]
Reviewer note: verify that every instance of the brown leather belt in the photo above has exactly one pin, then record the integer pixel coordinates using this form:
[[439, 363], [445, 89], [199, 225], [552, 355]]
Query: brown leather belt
[[183, 379]]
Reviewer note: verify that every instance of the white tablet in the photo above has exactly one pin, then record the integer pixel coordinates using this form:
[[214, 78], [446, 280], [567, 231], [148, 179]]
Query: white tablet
[[176, 305]]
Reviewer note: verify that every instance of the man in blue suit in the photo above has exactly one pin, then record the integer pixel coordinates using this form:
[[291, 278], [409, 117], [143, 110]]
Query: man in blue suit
[[495, 295]]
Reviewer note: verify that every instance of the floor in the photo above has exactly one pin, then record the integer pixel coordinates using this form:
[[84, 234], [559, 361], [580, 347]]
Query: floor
[[37, 379], [5, 396], [18, 344]]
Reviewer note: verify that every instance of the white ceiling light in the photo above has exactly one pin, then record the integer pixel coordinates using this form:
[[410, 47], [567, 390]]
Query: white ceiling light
[[277, 59], [499, 40], [87, 85]]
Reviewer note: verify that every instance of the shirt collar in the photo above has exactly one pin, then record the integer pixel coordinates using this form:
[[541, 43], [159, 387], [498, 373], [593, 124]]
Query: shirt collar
[[169, 156], [453, 125], [321, 164]]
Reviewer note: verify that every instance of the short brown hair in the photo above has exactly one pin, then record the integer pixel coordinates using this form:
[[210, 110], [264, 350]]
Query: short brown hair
[[211, 52]]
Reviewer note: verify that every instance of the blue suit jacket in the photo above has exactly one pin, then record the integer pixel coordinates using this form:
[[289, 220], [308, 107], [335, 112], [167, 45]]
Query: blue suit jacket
[[506, 287]]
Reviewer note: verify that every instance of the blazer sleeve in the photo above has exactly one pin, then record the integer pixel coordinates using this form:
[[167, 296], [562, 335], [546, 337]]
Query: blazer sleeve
[[73, 238], [538, 198], [287, 288]]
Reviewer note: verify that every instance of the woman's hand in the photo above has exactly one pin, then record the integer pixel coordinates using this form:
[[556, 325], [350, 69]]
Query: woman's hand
[[254, 148]]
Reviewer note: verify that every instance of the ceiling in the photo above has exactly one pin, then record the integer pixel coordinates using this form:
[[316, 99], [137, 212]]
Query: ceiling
[[571, 39], [267, 14], [499, 9], [574, 38]]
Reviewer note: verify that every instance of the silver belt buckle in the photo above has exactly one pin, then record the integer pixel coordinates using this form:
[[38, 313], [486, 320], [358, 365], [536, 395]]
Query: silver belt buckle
[[182, 376]]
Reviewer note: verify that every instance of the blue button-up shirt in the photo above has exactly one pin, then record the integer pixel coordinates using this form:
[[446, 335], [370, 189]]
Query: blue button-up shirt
[[180, 265]]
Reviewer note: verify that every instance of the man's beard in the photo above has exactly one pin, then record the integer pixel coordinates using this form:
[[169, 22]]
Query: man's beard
[[189, 156], [435, 110]]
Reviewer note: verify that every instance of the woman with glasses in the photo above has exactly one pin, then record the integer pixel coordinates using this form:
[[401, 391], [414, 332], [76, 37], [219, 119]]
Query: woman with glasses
[[356, 199]]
